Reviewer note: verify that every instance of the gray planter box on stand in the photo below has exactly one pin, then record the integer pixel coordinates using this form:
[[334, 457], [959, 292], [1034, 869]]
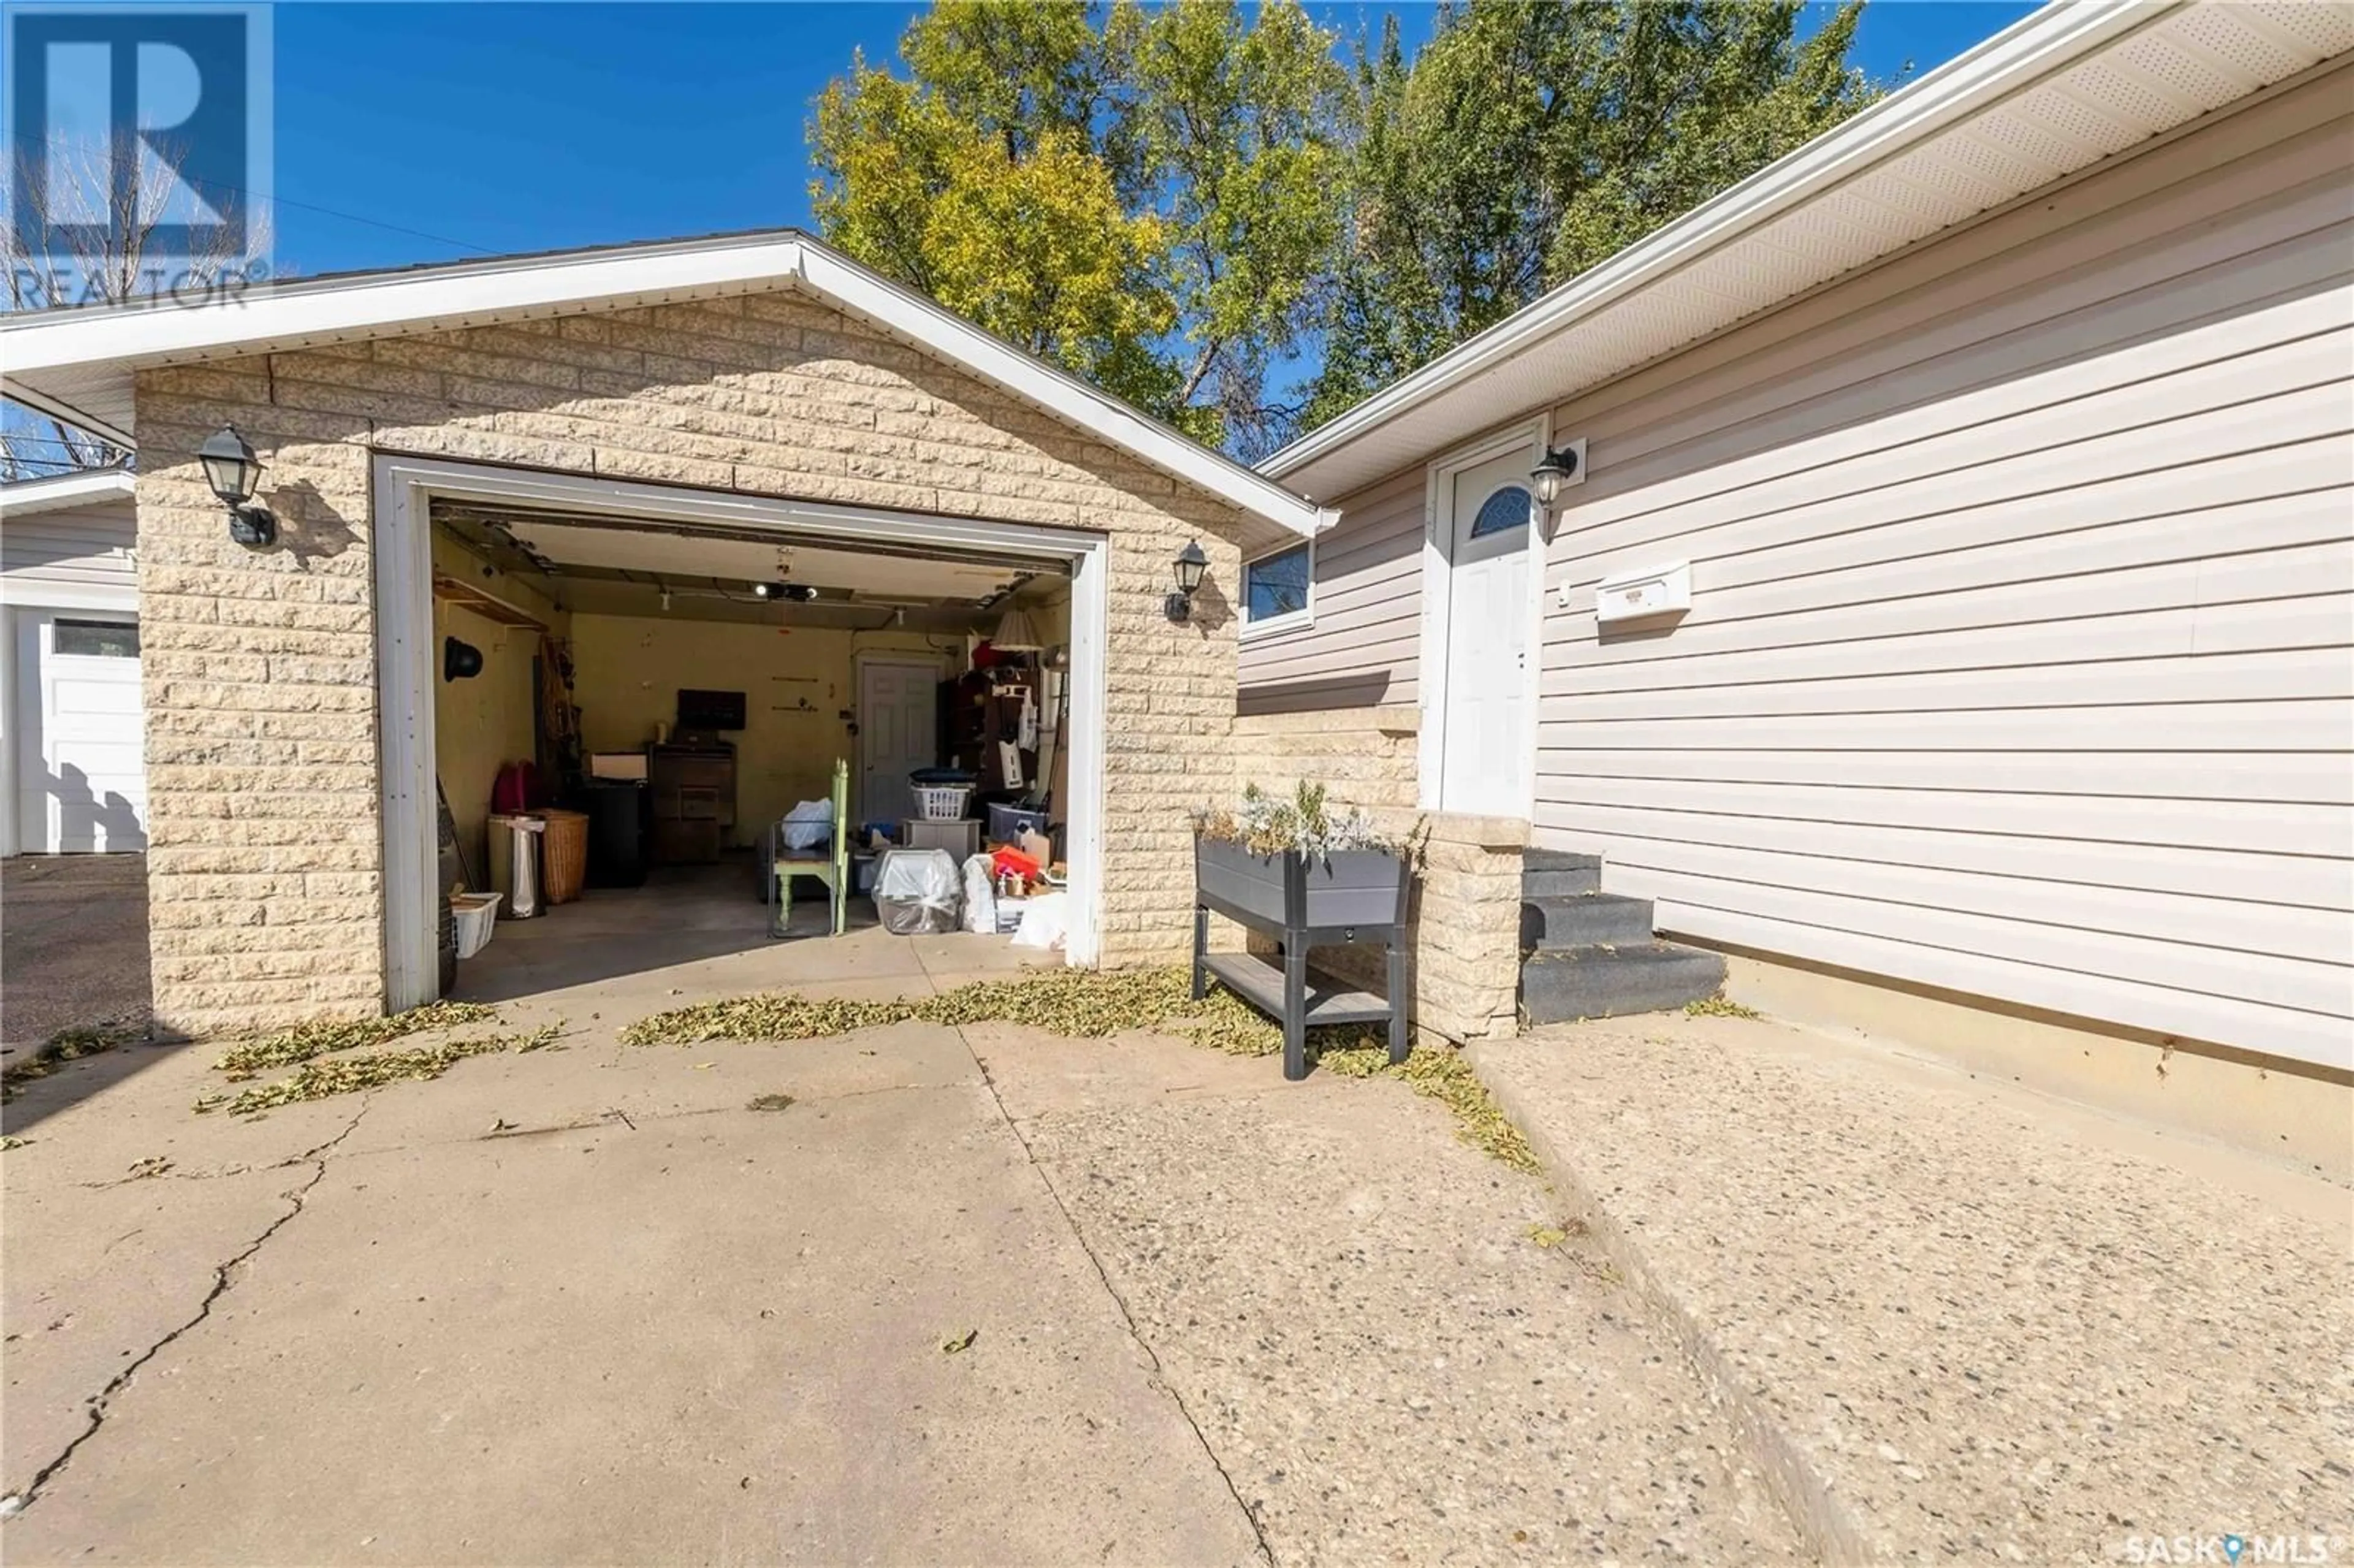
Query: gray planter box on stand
[[1303, 902]]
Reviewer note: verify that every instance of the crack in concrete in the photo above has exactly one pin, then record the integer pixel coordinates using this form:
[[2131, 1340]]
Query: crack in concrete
[[223, 1281], [1128, 1318]]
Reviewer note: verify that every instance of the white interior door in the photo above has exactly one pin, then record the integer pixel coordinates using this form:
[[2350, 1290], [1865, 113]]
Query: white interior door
[[897, 733], [1483, 756], [81, 782]]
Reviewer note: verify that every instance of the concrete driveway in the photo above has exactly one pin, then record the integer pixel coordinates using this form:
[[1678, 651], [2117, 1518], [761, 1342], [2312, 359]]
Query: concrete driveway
[[585, 1306], [73, 943]]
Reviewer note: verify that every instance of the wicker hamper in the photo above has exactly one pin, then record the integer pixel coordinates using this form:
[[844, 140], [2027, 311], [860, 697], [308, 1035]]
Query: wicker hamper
[[564, 855]]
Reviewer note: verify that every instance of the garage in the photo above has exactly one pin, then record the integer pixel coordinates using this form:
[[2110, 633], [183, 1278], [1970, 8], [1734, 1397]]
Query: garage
[[71, 729], [601, 430], [649, 703]]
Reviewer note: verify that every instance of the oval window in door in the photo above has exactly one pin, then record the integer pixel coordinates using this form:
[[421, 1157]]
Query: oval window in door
[[1505, 510]]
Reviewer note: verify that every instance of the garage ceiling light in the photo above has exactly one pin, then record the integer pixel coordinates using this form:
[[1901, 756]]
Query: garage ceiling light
[[1014, 634]]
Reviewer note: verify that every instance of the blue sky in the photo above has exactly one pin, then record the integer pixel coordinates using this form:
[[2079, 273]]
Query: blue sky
[[418, 132]]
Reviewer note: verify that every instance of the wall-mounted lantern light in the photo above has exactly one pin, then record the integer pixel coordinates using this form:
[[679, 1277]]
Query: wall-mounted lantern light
[[1191, 566], [1557, 469], [232, 470]]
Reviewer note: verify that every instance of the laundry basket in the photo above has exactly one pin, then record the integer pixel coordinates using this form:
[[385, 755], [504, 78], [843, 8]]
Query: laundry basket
[[942, 802], [564, 855]]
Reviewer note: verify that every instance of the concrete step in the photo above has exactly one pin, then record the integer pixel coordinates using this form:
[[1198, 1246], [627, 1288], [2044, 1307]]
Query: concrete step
[[1549, 924], [1558, 873], [1605, 981]]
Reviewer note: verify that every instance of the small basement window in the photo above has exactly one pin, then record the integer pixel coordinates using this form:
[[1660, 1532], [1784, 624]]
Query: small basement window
[[1278, 590], [97, 639]]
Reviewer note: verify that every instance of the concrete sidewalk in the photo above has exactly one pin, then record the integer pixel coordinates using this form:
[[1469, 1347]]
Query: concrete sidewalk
[[1956, 1318]]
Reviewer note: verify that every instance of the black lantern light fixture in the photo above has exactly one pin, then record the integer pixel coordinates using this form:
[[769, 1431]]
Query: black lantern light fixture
[[1558, 466], [232, 470], [1191, 566]]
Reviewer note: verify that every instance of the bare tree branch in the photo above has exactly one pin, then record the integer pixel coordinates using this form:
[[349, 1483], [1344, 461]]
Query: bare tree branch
[[91, 240]]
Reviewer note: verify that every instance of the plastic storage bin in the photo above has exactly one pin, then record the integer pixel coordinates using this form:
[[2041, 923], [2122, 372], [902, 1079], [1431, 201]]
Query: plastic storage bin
[[474, 914], [1007, 823]]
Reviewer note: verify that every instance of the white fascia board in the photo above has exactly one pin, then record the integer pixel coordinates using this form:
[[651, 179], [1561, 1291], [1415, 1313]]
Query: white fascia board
[[60, 492], [382, 304], [2031, 49], [440, 299], [926, 324]]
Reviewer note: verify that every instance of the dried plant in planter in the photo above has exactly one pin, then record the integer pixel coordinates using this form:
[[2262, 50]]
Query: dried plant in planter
[[1266, 824]]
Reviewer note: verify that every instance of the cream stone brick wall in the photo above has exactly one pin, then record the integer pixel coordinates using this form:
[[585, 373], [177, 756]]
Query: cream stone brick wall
[[1465, 927], [265, 865], [1366, 756], [1466, 911]]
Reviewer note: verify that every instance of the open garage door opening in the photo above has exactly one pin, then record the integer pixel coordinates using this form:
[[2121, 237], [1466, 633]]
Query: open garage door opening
[[630, 727]]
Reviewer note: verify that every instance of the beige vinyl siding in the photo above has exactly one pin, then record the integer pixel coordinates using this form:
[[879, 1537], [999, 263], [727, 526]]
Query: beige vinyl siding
[[2020, 659], [85, 546], [1360, 651]]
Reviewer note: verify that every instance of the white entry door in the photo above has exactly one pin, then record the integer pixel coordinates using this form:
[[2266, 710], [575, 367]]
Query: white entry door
[[81, 785], [1483, 707], [897, 733]]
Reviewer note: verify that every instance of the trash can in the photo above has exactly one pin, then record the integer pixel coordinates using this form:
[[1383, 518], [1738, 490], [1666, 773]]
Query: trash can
[[514, 865], [617, 832]]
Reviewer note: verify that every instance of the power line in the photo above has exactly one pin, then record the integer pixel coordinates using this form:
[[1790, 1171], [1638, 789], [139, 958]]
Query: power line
[[314, 206]]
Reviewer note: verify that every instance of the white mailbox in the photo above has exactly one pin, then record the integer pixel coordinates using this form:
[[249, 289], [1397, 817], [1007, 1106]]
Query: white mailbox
[[1649, 595]]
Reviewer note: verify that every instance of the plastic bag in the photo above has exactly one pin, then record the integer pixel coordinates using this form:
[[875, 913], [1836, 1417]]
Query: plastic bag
[[806, 825], [1045, 922], [915, 892], [979, 897]]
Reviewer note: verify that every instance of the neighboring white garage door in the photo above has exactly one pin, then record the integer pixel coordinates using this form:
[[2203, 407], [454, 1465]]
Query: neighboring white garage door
[[79, 782]]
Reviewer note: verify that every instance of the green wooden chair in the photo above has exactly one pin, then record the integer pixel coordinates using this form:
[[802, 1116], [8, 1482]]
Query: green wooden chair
[[830, 865]]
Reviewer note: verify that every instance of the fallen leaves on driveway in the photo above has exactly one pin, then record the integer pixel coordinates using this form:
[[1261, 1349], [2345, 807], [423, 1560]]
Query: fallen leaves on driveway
[[345, 1074], [282, 1048], [71, 1045], [1094, 1004]]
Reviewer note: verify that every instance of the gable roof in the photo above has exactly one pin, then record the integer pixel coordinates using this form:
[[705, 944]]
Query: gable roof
[[80, 365], [2073, 83]]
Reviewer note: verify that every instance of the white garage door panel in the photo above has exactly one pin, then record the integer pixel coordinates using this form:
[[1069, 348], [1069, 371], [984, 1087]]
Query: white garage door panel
[[81, 782]]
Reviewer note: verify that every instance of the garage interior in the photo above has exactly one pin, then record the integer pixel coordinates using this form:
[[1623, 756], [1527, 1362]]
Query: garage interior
[[669, 702]]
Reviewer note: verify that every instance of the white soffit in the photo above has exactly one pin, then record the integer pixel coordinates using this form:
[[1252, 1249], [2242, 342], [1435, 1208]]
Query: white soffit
[[60, 492], [2076, 82], [80, 365]]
